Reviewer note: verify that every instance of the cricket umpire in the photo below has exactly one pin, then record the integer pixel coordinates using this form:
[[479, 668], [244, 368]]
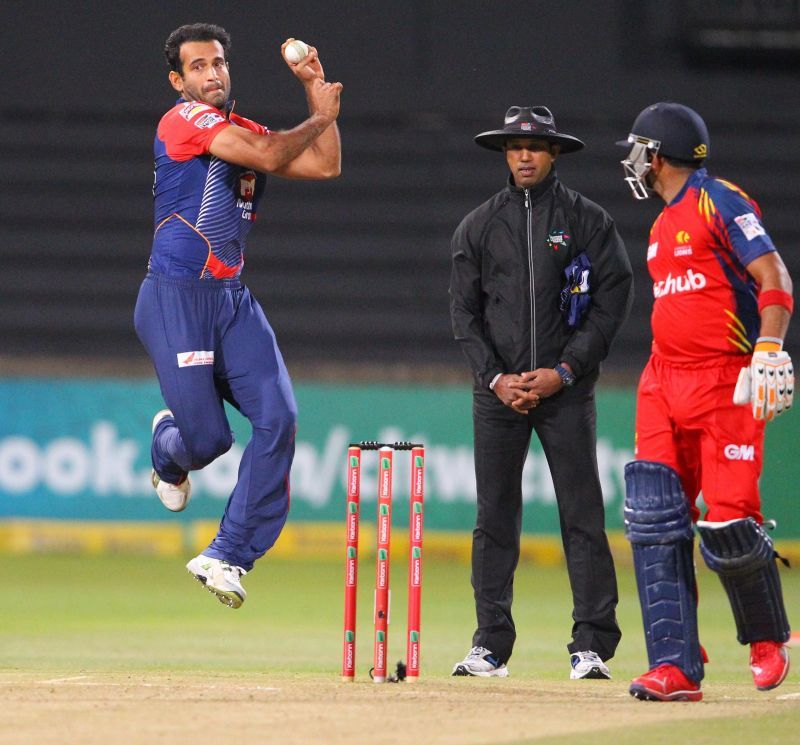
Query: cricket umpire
[[540, 285]]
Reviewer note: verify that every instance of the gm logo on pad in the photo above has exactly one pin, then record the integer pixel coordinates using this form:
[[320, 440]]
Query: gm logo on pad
[[740, 452]]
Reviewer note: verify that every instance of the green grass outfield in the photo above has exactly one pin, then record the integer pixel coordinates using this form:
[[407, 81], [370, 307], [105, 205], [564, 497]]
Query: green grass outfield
[[65, 615]]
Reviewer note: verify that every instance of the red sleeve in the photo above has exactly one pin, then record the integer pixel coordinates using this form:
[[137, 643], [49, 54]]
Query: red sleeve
[[259, 129], [189, 128]]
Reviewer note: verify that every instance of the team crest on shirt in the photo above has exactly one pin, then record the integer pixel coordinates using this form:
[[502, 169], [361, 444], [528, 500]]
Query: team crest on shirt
[[247, 185], [683, 248], [557, 239]]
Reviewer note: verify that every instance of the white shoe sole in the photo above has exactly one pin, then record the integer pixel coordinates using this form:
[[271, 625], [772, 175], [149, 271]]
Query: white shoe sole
[[158, 417], [231, 598], [595, 673], [463, 670], [172, 496]]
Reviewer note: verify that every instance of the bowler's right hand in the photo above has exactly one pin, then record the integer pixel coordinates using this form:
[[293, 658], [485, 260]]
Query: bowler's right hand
[[306, 69], [324, 98]]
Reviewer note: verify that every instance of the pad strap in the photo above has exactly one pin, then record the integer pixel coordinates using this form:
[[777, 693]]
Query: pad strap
[[743, 556], [659, 526]]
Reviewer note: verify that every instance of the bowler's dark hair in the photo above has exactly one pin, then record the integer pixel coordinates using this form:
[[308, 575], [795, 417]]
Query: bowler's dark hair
[[193, 32]]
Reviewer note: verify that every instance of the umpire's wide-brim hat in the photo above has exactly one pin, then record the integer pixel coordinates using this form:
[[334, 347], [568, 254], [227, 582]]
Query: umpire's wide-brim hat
[[536, 122]]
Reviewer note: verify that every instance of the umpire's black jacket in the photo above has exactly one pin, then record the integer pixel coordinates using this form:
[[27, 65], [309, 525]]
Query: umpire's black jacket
[[509, 257]]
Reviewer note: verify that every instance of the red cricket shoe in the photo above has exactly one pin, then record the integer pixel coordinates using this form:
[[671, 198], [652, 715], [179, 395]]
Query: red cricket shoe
[[665, 683], [769, 662]]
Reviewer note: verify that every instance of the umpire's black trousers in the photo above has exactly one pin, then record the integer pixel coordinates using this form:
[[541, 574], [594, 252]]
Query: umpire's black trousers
[[565, 426]]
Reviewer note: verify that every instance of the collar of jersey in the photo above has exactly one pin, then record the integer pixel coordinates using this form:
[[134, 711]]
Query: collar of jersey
[[695, 179], [228, 106]]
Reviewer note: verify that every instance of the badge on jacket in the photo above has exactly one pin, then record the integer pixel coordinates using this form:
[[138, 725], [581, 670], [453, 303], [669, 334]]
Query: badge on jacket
[[558, 239]]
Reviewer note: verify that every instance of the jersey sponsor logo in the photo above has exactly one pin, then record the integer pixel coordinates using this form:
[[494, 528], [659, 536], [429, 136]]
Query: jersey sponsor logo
[[247, 209], [190, 359], [652, 250], [740, 452], [192, 108], [688, 282], [750, 225], [682, 251], [208, 120]]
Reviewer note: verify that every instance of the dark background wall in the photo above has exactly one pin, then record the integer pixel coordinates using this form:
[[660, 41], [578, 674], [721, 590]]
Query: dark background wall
[[355, 271]]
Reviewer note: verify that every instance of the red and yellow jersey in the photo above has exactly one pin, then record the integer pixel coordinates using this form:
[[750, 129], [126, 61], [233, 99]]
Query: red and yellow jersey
[[700, 245]]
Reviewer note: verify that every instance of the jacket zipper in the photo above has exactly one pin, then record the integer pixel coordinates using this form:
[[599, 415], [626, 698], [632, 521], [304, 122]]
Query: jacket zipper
[[532, 281]]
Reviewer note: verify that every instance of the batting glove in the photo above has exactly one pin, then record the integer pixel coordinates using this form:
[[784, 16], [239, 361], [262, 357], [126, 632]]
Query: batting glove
[[767, 384]]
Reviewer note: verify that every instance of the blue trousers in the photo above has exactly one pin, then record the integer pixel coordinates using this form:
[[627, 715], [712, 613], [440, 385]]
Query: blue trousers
[[210, 342]]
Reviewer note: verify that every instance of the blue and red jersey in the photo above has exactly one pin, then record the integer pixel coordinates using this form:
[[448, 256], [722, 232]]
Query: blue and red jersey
[[706, 303], [204, 206]]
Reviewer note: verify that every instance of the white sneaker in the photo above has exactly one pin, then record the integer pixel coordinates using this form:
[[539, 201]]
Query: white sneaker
[[587, 665], [174, 497], [220, 578], [482, 663]]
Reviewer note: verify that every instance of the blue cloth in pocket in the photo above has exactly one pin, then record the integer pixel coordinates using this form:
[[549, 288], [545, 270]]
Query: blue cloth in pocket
[[575, 298]]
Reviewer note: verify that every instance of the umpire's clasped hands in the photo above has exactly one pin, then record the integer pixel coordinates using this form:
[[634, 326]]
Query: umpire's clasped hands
[[524, 391]]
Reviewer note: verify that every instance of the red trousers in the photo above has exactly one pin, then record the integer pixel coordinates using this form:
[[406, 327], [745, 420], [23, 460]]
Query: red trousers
[[686, 419]]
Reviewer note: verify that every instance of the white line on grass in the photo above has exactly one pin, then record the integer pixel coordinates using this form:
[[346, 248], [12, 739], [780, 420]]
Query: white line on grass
[[64, 680], [73, 681]]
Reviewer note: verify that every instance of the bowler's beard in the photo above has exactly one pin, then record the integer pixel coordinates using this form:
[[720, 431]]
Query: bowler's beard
[[216, 97]]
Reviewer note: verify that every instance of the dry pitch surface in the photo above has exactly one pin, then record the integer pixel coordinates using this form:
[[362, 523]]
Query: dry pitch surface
[[148, 709], [119, 650]]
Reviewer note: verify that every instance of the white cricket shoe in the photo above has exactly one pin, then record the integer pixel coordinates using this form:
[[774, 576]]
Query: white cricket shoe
[[174, 497], [481, 663], [587, 665], [220, 578]]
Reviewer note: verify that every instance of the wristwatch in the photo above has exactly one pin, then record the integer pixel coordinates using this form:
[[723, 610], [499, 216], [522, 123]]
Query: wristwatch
[[567, 378]]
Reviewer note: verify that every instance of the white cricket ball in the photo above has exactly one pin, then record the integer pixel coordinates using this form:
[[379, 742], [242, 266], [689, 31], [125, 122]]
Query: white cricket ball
[[295, 51]]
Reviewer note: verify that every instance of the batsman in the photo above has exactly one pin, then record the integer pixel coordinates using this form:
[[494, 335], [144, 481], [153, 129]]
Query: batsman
[[716, 375]]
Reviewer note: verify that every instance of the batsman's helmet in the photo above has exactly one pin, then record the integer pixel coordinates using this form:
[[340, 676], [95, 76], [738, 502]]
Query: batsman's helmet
[[669, 129]]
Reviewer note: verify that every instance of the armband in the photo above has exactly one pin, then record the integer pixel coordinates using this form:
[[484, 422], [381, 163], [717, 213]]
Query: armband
[[775, 297]]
